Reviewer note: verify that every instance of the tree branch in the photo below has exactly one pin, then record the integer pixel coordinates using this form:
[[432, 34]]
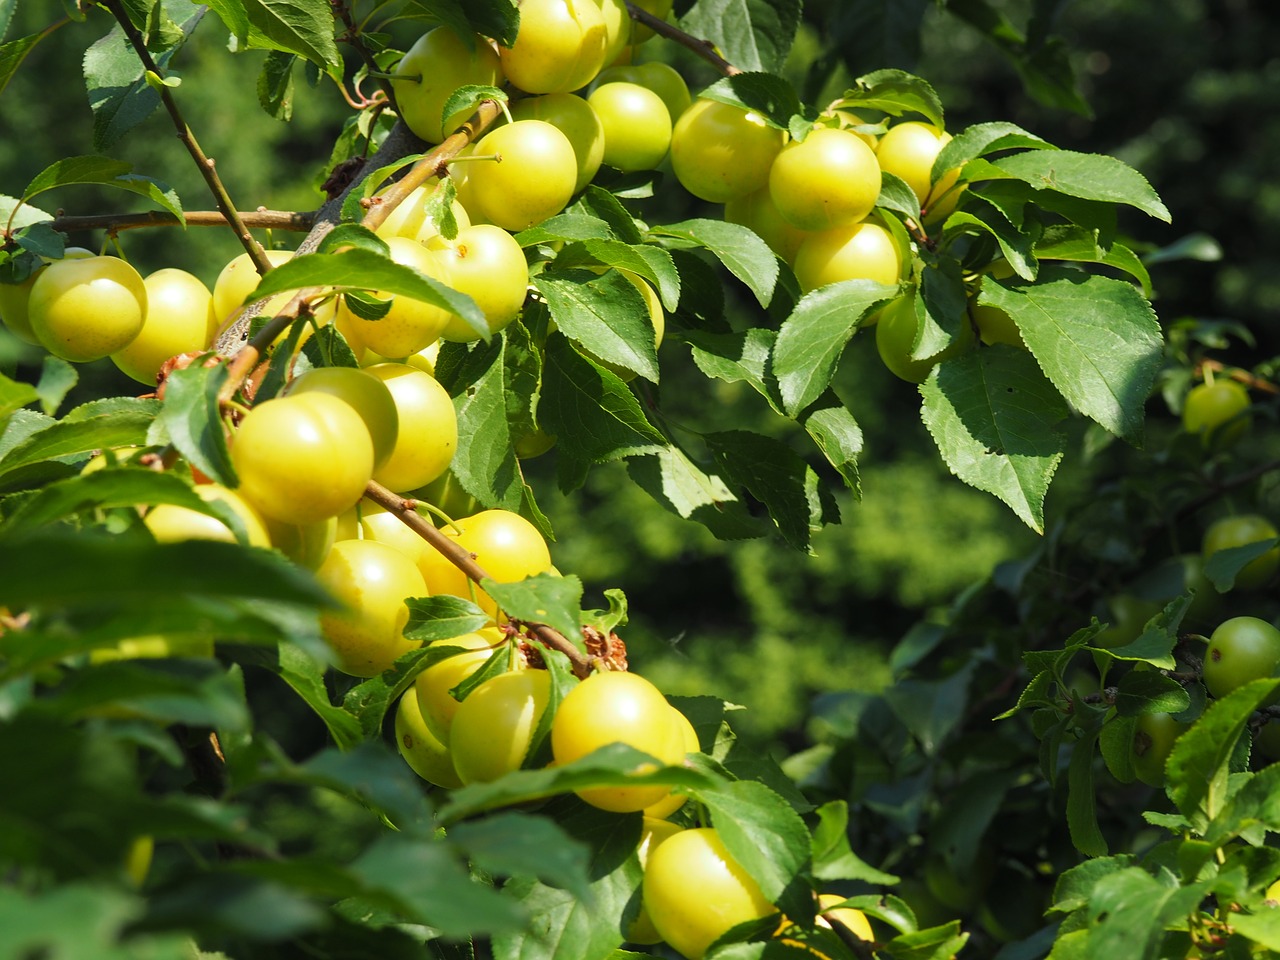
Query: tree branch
[[703, 48], [404, 508], [206, 165], [116, 222]]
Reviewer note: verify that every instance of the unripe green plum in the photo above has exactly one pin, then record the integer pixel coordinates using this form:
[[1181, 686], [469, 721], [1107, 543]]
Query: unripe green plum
[[426, 755], [895, 339], [170, 523], [87, 308], [494, 726], [442, 61], [663, 79], [617, 28], [372, 582], [302, 458], [179, 319], [561, 46], [428, 428], [574, 117], [759, 213], [534, 180], [306, 544], [1209, 406], [829, 179], [908, 150], [1127, 616], [409, 325], [617, 707], [719, 151], [434, 683], [15, 298], [488, 264], [637, 126], [1153, 737], [1238, 531], [652, 834], [411, 218], [362, 392], [1240, 650], [861, 251], [694, 891]]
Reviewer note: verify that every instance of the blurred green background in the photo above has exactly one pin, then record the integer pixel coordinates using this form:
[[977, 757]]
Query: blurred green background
[[1186, 91]]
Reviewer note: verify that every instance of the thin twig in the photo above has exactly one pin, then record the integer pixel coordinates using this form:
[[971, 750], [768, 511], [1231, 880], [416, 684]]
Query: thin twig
[[206, 165], [703, 48], [343, 9], [116, 222], [1235, 373], [465, 561]]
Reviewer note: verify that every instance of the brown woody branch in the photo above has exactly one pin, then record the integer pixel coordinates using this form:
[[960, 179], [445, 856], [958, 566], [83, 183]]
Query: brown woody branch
[[205, 164], [117, 222], [703, 48], [404, 508]]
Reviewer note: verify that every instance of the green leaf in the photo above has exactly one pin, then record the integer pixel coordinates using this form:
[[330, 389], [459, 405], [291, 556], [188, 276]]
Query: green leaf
[[499, 19], [304, 27], [442, 618], [745, 255], [1194, 246], [611, 766], [833, 858], [750, 34], [895, 92], [591, 411], [62, 569], [359, 269], [464, 101], [767, 94], [570, 926], [13, 396], [812, 339], [1082, 811], [606, 314], [1096, 339], [982, 139], [1086, 175], [23, 215], [1197, 767], [684, 488], [105, 172], [119, 94], [1147, 691], [1223, 566], [233, 16], [646, 260], [13, 53], [486, 465], [1074, 888], [773, 473], [599, 203], [106, 488], [737, 357], [1070, 242], [1262, 928], [57, 377], [896, 195], [935, 943], [518, 844], [195, 692], [1257, 802], [543, 598], [566, 226], [122, 422], [306, 676], [1016, 246], [994, 418], [275, 84], [836, 433], [429, 884], [192, 418]]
